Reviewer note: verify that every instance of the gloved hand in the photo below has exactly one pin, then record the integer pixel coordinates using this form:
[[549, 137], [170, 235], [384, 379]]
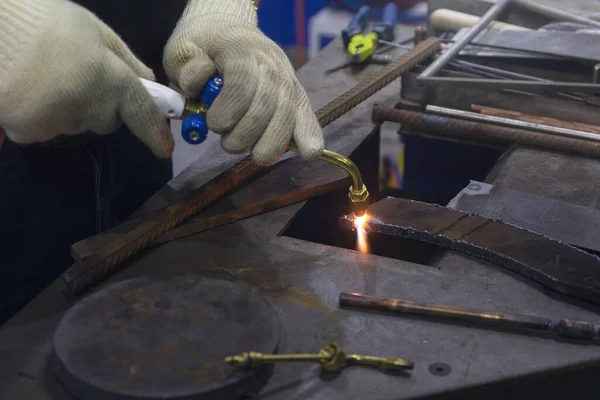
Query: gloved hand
[[262, 105], [63, 71]]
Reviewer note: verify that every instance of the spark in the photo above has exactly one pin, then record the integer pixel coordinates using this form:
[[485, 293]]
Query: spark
[[362, 242]]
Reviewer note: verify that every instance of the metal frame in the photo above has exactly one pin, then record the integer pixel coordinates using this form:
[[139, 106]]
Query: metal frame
[[428, 76]]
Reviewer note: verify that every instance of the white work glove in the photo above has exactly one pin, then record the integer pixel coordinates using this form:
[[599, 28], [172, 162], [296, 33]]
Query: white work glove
[[262, 105], [63, 71]]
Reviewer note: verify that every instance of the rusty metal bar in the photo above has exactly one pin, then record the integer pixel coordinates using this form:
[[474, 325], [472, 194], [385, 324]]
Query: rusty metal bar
[[82, 275], [563, 327], [272, 202], [454, 128], [270, 191]]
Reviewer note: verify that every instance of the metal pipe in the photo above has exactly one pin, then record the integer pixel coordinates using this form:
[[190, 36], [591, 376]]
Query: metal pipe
[[502, 72], [459, 129], [562, 327], [515, 123], [532, 86], [556, 14], [394, 44], [358, 194], [488, 17], [519, 52]]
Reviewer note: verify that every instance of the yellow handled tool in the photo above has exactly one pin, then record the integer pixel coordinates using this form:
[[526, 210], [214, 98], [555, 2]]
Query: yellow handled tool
[[361, 47]]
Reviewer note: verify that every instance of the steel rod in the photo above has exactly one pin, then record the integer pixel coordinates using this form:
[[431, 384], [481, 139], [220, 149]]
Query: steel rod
[[487, 18], [490, 72], [562, 327], [502, 72], [522, 52], [460, 129], [556, 14], [533, 86], [514, 123]]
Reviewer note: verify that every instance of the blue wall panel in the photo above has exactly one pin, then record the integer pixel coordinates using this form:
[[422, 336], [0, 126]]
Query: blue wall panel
[[277, 19]]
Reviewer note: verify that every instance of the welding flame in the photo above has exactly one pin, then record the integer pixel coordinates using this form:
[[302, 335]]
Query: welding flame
[[362, 242]]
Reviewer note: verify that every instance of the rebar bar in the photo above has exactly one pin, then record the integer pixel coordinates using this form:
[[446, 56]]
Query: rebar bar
[[454, 128]]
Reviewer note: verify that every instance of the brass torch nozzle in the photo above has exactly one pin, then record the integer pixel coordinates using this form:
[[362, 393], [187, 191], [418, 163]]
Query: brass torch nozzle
[[358, 195]]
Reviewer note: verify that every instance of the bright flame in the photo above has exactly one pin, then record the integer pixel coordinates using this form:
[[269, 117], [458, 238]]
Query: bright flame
[[361, 234]]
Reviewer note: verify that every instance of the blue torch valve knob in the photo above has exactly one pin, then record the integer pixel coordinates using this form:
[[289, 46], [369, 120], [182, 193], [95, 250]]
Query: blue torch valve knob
[[194, 129], [211, 90]]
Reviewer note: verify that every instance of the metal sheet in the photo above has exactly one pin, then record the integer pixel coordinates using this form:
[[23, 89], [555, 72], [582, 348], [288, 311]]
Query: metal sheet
[[166, 339], [567, 222], [554, 264]]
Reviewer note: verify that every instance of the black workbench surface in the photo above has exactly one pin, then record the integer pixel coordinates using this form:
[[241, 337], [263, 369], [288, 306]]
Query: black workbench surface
[[302, 280]]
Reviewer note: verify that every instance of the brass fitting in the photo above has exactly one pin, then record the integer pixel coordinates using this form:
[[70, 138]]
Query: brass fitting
[[359, 200], [194, 107], [358, 195]]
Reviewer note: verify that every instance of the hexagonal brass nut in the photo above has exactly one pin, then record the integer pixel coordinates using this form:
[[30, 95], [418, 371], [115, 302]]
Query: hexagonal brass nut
[[359, 200]]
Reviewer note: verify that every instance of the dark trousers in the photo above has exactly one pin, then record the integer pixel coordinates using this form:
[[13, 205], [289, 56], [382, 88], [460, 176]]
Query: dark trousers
[[53, 195]]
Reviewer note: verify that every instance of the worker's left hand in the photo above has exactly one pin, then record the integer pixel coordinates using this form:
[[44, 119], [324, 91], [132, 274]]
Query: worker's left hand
[[262, 105]]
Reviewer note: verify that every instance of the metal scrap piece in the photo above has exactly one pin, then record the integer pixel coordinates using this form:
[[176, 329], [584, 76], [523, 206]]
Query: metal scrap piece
[[570, 223], [556, 265]]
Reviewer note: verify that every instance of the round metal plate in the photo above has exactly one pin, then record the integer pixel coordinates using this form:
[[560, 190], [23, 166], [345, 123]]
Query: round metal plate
[[153, 338]]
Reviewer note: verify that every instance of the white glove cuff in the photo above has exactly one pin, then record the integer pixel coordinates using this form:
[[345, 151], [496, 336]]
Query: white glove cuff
[[241, 11], [20, 21]]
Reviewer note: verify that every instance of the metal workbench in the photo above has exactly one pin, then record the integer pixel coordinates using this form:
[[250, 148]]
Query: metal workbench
[[302, 281]]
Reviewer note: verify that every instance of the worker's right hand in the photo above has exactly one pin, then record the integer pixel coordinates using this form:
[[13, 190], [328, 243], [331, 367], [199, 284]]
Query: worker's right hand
[[262, 105], [63, 71]]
